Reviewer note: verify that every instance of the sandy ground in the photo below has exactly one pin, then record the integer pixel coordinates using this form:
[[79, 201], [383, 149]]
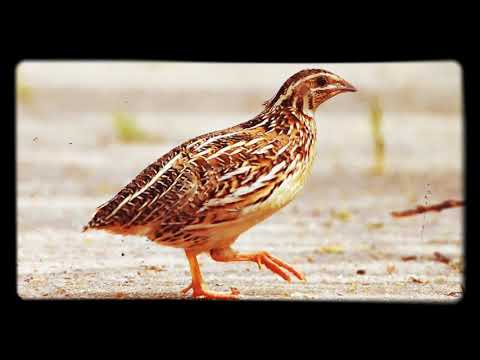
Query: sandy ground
[[338, 231]]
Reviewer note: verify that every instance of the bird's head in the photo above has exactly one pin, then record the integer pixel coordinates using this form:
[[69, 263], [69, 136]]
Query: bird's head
[[307, 89]]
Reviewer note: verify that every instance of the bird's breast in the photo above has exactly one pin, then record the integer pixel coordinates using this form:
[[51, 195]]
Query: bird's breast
[[289, 185]]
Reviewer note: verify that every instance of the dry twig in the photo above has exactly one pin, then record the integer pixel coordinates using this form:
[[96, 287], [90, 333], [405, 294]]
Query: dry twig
[[447, 204], [441, 258], [409, 258]]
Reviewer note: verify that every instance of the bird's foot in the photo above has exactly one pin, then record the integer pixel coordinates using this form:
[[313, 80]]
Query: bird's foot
[[276, 265], [200, 292]]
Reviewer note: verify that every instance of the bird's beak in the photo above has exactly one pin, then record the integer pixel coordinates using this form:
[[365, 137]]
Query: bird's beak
[[346, 86], [340, 87]]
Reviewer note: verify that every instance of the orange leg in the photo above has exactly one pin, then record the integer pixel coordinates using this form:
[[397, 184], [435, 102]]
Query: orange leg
[[261, 258], [197, 282]]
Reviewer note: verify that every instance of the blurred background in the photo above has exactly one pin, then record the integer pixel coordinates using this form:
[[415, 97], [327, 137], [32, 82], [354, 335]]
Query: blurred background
[[85, 129]]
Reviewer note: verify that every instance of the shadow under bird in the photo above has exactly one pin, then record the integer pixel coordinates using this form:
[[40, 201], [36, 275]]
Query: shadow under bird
[[204, 193]]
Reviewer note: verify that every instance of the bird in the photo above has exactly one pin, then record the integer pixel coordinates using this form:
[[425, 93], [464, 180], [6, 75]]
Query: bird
[[204, 193]]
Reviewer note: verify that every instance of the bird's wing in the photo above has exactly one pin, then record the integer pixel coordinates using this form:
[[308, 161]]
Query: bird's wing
[[208, 179], [164, 186], [248, 164]]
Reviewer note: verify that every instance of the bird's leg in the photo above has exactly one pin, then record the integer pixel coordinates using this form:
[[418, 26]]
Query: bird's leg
[[197, 282], [261, 258]]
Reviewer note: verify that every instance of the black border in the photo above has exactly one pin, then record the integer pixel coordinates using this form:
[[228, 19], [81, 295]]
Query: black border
[[190, 51]]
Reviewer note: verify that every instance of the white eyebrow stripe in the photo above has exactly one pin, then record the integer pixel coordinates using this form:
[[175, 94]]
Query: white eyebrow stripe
[[288, 93], [292, 86], [305, 79], [332, 76]]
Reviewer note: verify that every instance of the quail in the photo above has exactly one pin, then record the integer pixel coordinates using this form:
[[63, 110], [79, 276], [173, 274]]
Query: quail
[[204, 193]]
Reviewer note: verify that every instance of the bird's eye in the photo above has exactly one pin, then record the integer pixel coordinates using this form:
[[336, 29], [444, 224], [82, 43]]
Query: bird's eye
[[322, 81]]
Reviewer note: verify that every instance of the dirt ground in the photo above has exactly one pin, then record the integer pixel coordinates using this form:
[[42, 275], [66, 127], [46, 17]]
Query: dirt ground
[[338, 232]]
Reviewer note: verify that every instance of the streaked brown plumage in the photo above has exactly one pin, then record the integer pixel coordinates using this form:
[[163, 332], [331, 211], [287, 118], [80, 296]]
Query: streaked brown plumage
[[204, 193]]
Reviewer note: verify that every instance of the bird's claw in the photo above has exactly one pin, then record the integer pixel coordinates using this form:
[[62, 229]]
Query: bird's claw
[[200, 292], [277, 266]]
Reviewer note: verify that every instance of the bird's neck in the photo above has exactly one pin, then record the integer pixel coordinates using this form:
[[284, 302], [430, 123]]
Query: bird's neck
[[301, 131], [303, 115], [298, 124], [302, 106]]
